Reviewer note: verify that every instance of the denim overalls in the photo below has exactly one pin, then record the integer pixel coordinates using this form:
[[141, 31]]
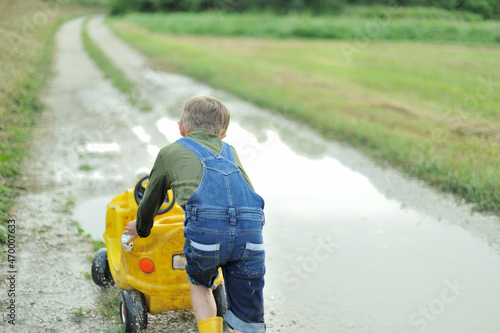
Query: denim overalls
[[223, 228]]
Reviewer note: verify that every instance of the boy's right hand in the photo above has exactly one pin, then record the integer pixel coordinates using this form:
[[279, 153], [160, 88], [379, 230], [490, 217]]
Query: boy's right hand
[[131, 231]]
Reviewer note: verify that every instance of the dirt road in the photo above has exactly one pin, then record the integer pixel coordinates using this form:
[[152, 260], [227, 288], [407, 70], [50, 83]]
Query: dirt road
[[381, 252]]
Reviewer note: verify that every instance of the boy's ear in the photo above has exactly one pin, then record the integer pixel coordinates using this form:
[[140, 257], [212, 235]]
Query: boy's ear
[[181, 129], [222, 136]]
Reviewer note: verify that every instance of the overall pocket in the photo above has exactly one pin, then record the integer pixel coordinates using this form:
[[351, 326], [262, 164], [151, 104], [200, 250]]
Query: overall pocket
[[252, 263], [206, 256]]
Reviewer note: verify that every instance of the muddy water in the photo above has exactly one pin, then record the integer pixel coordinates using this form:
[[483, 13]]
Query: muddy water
[[351, 247]]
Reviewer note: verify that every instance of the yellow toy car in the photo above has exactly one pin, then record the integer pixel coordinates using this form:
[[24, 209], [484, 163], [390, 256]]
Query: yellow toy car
[[151, 271]]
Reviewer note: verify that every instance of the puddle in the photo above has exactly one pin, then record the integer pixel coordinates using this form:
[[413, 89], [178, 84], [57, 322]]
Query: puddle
[[153, 150], [141, 134], [169, 128], [100, 148], [91, 215]]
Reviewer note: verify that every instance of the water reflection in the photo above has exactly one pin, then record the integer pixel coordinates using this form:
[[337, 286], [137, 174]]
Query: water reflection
[[169, 128], [100, 148], [141, 134]]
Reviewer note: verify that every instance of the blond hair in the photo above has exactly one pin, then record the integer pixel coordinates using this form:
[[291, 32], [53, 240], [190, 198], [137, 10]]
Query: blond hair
[[207, 113]]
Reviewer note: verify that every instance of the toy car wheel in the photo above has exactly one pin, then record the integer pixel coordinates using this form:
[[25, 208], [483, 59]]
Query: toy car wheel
[[133, 311], [100, 269], [221, 300]]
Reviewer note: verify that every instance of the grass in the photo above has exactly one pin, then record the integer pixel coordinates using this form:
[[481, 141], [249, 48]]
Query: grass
[[78, 227], [80, 230], [112, 72], [430, 110], [78, 315], [25, 60], [3, 233], [108, 302], [86, 168], [21, 81], [101, 3], [68, 205], [384, 23], [409, 13], [98, 244]]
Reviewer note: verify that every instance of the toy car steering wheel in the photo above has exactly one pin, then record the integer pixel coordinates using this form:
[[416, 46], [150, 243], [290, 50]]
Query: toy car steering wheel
[[139, 193]]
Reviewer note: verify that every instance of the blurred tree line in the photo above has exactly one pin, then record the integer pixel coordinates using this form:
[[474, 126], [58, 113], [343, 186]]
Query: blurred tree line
[[486, 8]]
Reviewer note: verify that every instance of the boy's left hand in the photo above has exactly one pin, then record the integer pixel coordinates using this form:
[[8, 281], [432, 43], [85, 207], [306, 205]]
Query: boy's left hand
[[131, 231]]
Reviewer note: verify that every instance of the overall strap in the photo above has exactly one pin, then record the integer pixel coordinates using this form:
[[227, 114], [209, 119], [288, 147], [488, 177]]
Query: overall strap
[[203, 153], [228, 153], [196, 148]]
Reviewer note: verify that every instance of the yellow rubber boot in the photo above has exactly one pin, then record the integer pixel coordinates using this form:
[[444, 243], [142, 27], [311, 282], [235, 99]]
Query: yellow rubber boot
[[210, 325]]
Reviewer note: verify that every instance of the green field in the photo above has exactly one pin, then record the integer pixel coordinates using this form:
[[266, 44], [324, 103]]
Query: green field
[[377, 23], [430, 110]]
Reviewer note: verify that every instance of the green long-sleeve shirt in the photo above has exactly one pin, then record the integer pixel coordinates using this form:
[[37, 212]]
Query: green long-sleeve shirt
[[178, 169]]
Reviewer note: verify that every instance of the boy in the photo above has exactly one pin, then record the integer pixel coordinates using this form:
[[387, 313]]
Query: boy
[[224, 217]]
